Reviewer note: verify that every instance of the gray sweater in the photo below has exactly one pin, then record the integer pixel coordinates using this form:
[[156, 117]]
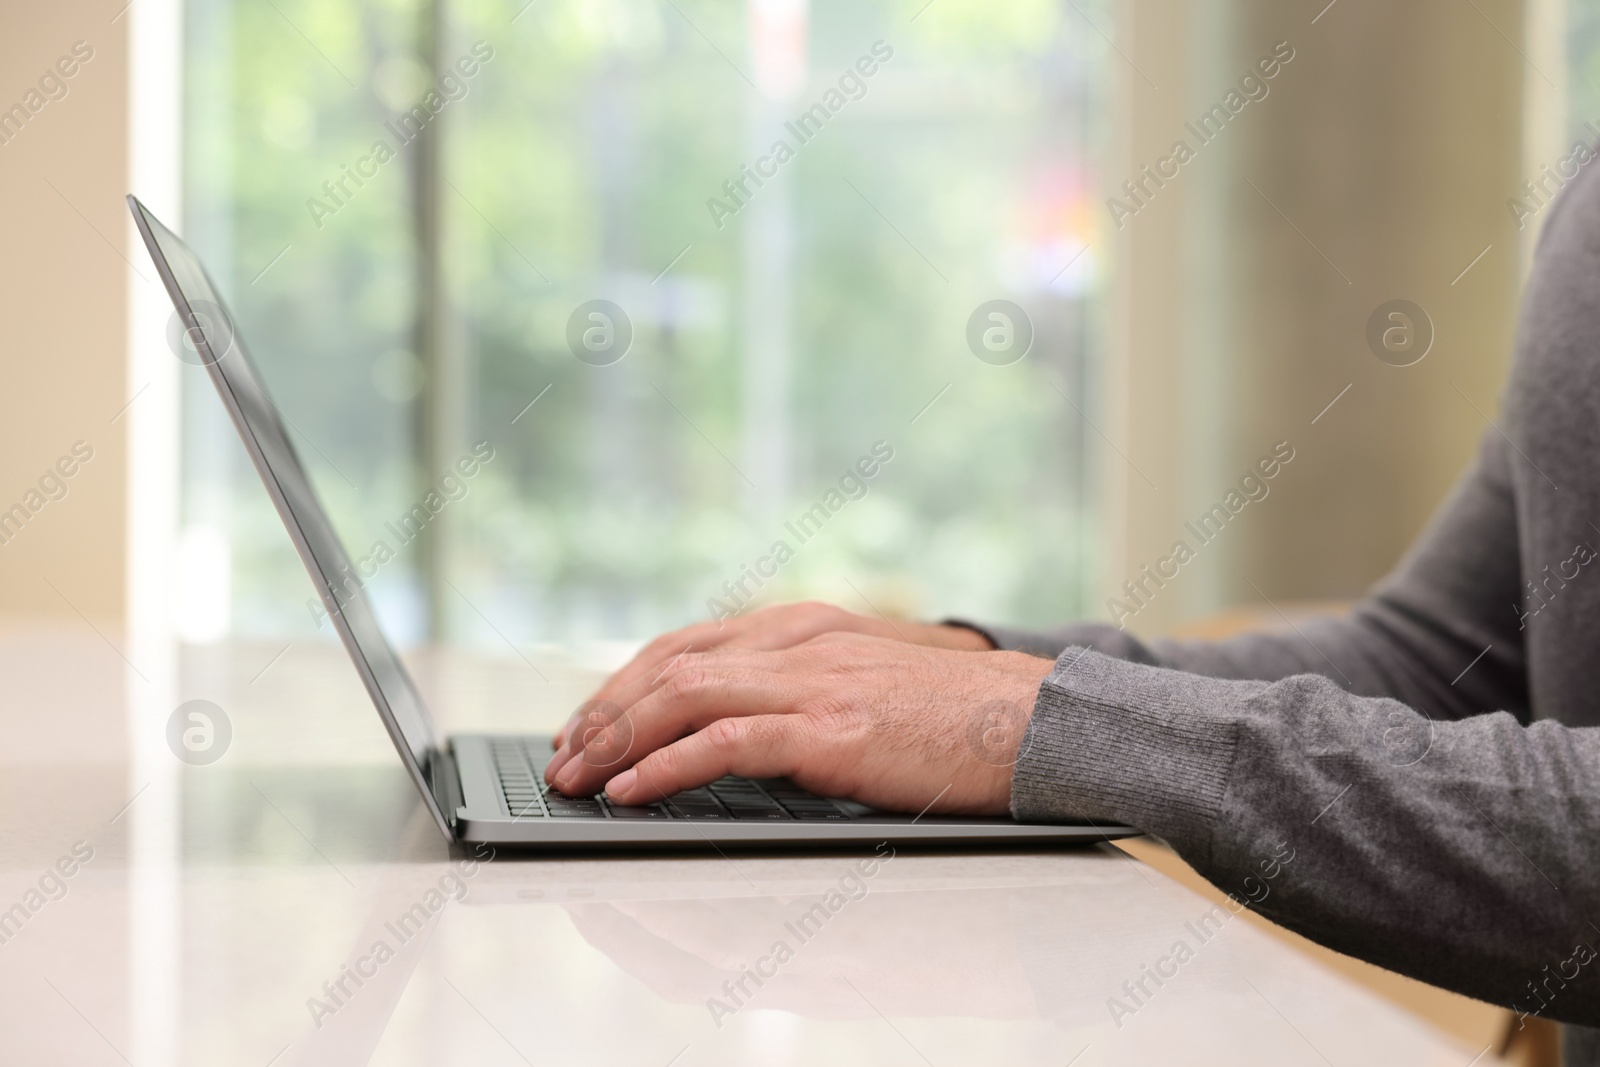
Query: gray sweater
[[1433, 758]]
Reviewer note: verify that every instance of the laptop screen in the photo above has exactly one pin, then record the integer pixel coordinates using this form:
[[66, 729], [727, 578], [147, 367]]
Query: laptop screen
[[217, 344]]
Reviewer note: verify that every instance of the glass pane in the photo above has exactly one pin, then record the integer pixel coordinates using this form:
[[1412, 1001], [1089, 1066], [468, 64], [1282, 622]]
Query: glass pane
[[283, 100], [797, 217], [1582, 80]]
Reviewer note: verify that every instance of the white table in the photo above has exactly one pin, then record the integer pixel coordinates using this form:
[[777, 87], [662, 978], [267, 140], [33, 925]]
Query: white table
[[221, 900]]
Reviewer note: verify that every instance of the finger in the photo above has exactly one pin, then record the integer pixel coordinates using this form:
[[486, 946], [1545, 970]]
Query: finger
[[797, 625], [651, 655], [771, 628], [669, 646], [759, 746], [595, 716], [651, 659], [774, 629], [591, 718], [691, 699]]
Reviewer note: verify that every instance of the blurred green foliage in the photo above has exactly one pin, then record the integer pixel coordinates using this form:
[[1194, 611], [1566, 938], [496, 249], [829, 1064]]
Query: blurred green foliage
[[578, 165], [1583, 68]]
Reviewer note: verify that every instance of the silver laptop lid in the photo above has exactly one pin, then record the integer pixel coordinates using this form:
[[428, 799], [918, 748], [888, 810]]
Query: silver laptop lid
[[211, 328]]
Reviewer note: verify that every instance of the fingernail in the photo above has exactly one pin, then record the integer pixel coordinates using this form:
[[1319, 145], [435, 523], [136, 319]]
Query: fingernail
[[564, 778], [558, 761], [621, 784]]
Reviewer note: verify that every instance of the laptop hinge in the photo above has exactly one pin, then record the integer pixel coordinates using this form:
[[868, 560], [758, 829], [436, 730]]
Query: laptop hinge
[[445, 783]]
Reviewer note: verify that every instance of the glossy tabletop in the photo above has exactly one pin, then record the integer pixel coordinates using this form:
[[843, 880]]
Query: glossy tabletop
[[290, 903]]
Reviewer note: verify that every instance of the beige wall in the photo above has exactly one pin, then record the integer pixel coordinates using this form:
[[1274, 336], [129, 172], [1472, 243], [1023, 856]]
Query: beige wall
[[63, 313], [1388, 146]]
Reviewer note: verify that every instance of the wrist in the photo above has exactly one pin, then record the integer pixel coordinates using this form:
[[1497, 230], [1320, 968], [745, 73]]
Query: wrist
[[960, 637]]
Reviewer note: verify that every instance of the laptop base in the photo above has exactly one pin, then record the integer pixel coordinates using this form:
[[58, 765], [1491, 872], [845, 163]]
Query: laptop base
[[503, 801]]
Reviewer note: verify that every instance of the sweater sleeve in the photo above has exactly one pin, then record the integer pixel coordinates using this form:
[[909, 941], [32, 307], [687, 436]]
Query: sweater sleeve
[[1443, 632], [1457, 852]]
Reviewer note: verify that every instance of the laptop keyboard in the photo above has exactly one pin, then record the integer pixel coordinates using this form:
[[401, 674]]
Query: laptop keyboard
[[520, 764]]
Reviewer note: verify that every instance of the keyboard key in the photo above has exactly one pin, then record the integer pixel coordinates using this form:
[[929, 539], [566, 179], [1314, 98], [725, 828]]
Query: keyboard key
[[697, 813], [817, 816], [619, 812], [758, 813], [739, 796], [686, 803], [595, 813]]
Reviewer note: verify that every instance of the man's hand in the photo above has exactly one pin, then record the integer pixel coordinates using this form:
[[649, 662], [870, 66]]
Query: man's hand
[[781, 626], [891, 724]]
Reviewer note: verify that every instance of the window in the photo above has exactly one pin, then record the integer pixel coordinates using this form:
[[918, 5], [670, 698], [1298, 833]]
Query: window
[[415, 207]]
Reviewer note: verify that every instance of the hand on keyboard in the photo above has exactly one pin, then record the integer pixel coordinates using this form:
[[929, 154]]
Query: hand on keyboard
[[893, 725], [778, 627]]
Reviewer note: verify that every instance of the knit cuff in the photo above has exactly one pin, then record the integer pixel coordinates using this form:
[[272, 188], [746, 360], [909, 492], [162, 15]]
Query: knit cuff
[[1112, 741]]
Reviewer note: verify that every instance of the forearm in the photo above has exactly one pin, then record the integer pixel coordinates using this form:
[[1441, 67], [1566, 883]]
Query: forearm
[[1456, 852]]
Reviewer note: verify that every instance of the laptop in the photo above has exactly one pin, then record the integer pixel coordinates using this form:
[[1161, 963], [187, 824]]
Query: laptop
[[490, 788]]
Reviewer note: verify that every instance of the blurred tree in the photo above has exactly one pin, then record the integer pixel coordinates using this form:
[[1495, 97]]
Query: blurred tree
[[768, 354]]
